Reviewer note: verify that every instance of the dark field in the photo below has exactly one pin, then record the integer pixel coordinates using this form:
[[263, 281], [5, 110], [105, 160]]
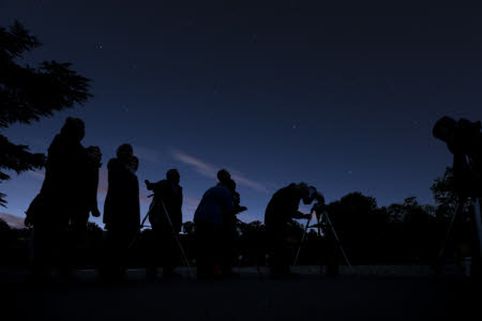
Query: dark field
[[390, 293]]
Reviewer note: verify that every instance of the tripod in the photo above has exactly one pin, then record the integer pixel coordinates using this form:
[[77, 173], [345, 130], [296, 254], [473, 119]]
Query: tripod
[[173, 231], [476, 244], [319, 218]]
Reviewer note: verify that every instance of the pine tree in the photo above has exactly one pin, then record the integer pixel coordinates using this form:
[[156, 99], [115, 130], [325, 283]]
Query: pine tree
[[29, 93]]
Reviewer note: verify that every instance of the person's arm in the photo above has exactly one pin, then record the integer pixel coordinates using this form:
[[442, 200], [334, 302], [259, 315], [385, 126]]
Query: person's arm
[[94, 207], [462, 175], [154, 187], [300, 215], [178, 214]]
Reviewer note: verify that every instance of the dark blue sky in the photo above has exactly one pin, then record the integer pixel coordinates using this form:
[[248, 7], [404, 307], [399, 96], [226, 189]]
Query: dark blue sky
[[342, 96]]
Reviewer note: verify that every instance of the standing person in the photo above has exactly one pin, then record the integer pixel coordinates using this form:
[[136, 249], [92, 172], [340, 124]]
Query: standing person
[[212, 214], [283, 207], [224, 178], [121, 210], [165, 216], [61, 195], [229, 230], [80, 217]]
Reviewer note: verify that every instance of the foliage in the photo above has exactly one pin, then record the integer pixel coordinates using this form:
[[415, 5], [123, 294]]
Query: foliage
[[401, 233], [29, 93]]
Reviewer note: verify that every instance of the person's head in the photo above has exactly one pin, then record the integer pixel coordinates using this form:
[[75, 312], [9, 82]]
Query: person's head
[[223, 176], [230, 184], [319, 198], [305, 192], [460, 136], [311, 195], [173, 176], [125, 152], [94, 153], [73, 128], [444, 128], [133, 164]]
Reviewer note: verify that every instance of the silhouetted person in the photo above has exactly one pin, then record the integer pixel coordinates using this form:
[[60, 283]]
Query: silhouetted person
[[281, 209], [165, 216], [464, 141], [61, 199], [88, 205], [212, 214], [224, 177], [121, 210], [229, 230]]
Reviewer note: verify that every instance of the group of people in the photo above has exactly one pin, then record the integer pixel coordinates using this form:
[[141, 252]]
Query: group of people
[[60, 212]]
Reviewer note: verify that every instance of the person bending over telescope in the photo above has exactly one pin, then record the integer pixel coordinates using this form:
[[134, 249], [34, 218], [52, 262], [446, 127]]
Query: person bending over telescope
[[464, 141], [281, 209]]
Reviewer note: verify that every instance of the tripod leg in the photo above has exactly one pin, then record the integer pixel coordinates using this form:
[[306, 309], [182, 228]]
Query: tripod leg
[[318, 231], [178, 242], [478, 223], [476, 264], [458, 212], [338, 241], [301, 242], [138, 234]]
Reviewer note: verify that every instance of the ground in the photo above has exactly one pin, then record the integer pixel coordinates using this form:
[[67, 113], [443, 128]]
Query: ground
[[364, 293]]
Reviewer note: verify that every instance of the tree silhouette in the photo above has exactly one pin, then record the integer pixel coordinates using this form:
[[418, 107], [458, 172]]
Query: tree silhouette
[[28, 94], [456, 237], [359, 224], [445, 194], [4, 230]]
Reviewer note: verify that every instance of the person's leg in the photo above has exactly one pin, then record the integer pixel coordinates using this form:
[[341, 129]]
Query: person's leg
[[63, 244], [163, 237], [153, 244], [202, 251], [275, 250], [332, 260], [40, 253], [228, 251], [170, 254], [476, 264], [208, 252], [110, 270]]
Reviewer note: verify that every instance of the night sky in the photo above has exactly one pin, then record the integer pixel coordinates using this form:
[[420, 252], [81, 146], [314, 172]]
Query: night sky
[[342, 96]]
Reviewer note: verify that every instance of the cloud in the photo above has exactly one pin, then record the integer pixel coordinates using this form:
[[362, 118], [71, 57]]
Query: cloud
[[199, 166], [241, 180], [38, 174], [190, 204], [210, 170], [12, 220], [147, 154]]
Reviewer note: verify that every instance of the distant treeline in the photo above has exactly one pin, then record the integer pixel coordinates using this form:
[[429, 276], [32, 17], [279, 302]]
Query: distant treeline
[[407, 233]]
